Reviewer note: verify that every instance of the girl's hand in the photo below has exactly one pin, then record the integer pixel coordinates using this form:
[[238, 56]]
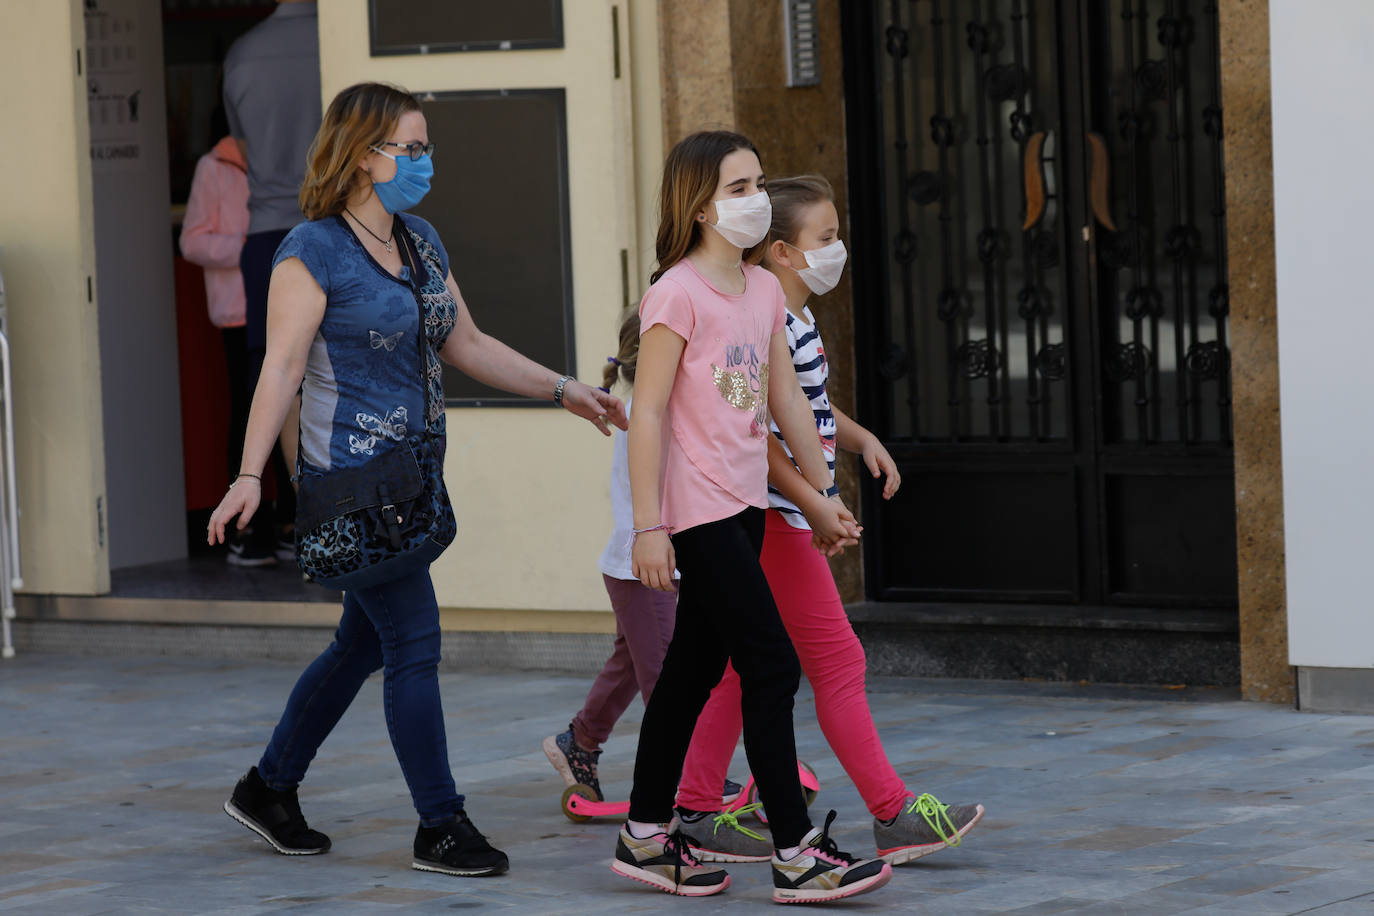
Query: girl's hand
[[880, 464], [653, 561], [595, 405], [241, 500], [833, 526]]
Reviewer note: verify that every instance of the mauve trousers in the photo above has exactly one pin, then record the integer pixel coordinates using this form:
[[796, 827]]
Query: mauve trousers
[[643, 627]]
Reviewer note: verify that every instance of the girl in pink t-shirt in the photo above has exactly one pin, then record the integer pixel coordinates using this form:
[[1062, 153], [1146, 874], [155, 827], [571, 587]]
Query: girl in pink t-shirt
[[807, 256], [711, 336]]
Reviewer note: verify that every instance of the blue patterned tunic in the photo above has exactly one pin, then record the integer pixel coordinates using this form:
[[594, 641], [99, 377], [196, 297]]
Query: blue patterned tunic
[[362, 378]]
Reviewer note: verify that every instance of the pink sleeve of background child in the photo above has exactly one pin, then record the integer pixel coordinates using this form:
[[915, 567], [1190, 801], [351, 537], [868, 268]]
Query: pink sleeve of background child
[[668, 304]]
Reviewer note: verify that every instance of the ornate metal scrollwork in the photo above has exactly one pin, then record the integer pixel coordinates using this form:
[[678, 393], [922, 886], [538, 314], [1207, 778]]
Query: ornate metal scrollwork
[[1020, 125], [1005, 82], [1052, 362], [925, 187], [1207, 360], [1117, 250], [894, 364], [1033, 302], [1211, 121], [904, 246], [1182, 241], [1144, 302], [941, 131], [1219, 301], [1135, 126], [979, 358], [897, 41], [1044, 249], [1152, 77], [1126, 362], [993, 244], [1175, 31], [948, 304]]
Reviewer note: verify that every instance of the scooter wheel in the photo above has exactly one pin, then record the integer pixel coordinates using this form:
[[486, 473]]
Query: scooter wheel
[[571, 796]]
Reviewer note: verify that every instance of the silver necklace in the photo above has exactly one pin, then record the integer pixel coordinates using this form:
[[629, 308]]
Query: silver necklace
[[386, 242]]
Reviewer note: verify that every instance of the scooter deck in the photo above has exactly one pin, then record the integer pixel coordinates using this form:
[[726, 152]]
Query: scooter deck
[[579, 802]]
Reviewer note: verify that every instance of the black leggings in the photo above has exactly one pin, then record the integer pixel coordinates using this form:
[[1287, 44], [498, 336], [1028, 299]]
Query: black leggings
[[725, 612]]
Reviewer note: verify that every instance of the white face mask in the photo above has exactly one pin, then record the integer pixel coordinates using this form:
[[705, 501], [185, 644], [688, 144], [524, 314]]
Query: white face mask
[[824, 266], [744, 221]]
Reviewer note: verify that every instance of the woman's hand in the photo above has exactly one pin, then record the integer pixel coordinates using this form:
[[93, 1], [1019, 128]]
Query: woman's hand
[[880, 464], [653, 561], [595, 405], [241, 500]]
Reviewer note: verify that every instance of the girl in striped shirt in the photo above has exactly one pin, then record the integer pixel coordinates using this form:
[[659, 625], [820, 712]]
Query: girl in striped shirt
[[807, 257]]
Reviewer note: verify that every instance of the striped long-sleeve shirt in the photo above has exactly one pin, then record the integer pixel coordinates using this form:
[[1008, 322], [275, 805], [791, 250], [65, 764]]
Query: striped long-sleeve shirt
[[808, 358]]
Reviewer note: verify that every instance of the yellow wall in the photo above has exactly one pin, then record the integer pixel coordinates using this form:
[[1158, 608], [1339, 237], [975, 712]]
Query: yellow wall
[[47, 252], [530, 486]]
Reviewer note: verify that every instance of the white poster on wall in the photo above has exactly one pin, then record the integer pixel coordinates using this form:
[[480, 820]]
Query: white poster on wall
[[114, 92]]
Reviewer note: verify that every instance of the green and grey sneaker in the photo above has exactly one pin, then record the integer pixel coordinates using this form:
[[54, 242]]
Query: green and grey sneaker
[[664, 861], [718, 836], [923, 825], [820, 871]]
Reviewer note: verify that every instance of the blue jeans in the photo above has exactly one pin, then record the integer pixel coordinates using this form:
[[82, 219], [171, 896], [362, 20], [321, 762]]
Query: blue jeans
[[394, 626]]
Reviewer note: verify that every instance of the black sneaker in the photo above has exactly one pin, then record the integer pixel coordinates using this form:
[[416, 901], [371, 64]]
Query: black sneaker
[[249, 555], [729, 792], [457, 848], [275, 816], [576, 766]]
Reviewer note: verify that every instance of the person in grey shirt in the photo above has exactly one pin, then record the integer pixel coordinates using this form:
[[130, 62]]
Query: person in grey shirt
[[272, 99]]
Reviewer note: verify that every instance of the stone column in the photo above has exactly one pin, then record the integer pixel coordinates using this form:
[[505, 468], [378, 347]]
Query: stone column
[[1245, 91]]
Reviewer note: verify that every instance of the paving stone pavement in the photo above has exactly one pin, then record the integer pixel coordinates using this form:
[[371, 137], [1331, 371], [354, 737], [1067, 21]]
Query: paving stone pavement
[[1100, 800]]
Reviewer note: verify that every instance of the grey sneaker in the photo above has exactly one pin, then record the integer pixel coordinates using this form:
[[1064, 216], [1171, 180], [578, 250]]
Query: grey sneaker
[[820, 871], [664, 861], [924, 825], [719, 837], [576, 766]]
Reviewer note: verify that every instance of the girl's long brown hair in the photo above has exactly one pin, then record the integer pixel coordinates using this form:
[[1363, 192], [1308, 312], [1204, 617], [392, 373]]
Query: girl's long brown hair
[[359, 118], [690, 176]]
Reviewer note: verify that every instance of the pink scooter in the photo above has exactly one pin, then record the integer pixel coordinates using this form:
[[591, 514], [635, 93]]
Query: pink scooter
[[579, 802]]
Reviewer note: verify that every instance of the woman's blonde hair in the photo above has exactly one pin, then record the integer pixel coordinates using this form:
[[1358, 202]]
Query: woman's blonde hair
[[690, 177], [359, 118], [790, 197], [623, 364]]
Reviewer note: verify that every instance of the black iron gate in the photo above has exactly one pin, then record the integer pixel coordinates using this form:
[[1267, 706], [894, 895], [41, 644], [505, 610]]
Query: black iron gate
[[1038, 233]]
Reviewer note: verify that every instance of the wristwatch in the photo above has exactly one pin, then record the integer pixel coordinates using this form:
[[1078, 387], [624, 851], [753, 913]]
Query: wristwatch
[[558, 390], [832, 490]]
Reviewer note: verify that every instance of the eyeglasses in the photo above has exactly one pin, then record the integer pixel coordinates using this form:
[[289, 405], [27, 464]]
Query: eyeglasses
[[413, 150]]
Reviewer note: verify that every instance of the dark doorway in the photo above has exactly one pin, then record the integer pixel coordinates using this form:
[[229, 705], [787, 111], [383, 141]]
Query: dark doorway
[[1038, 227]]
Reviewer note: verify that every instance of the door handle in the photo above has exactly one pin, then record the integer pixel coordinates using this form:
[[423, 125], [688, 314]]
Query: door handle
[[1035, 180], [1100, 180]]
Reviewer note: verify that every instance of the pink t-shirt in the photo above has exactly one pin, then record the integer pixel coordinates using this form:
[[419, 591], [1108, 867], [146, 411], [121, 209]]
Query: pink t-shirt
[[716, 457]]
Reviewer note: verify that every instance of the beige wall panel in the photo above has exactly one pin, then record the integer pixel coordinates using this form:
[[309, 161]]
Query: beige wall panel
[[531, 486], [47, 251]]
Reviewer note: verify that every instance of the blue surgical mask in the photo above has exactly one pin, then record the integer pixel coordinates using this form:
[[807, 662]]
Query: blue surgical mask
[[409, 185]]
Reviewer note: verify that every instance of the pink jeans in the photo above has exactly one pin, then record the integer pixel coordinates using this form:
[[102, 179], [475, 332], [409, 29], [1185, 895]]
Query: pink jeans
[[834, 662], [643, 628]]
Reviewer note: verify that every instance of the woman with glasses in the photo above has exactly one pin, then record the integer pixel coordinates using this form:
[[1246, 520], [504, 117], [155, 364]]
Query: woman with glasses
[[342, 327]]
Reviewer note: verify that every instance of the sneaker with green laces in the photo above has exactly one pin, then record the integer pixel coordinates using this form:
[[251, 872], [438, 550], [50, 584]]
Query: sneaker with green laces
[[718, 836], [923, 825]]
